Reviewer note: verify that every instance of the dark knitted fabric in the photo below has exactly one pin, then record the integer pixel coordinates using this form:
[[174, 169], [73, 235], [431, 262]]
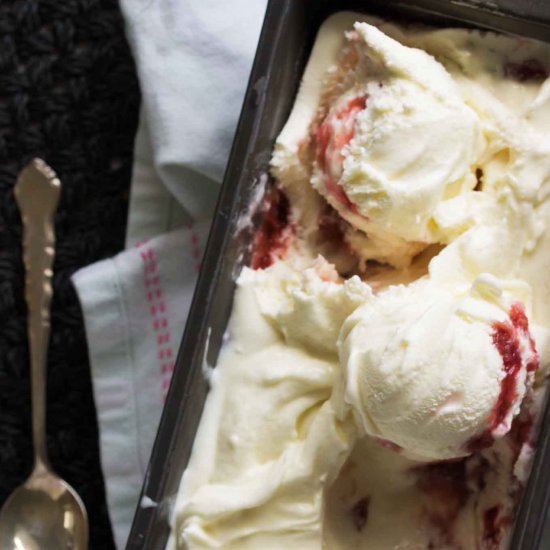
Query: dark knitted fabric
[[68, 94]]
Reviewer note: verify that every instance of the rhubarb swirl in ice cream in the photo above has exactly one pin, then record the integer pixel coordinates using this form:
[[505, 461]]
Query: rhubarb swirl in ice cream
[[387, 353]]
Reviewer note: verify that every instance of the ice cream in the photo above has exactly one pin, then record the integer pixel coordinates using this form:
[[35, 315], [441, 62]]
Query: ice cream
[[387, 353], [424, 366], [396, 144], [271, 442]]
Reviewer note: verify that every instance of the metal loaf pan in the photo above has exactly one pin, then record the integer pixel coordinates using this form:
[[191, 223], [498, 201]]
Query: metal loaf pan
[[287, 36]]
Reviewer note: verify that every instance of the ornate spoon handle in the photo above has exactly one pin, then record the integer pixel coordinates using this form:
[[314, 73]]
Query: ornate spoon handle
[[37, 194]]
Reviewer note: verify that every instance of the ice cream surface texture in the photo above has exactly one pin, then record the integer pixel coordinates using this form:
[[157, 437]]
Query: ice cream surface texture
[[387, 353], [396, 144], [422, 369]]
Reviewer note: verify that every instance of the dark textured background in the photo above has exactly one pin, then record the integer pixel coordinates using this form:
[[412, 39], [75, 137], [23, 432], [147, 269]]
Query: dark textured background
[[68, 94]]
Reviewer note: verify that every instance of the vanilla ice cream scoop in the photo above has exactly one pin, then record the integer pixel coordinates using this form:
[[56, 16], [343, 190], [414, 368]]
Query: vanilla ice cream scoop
[[398, 142], [437, 373], [308, 303]]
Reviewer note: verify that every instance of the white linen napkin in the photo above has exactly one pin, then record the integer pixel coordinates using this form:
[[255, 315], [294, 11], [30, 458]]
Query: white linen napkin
[[193, 59]]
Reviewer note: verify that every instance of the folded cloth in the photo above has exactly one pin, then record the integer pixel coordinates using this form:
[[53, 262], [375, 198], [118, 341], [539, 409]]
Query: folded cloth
[[135, 306], [193, 59]]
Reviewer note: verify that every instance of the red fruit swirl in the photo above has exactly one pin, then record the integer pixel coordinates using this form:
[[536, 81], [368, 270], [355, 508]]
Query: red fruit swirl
[[360, 513], [337, 192], [332, 227], [447, 490], [529, 70], [507, 337], [333, 134], [495, 525], [275, 232]]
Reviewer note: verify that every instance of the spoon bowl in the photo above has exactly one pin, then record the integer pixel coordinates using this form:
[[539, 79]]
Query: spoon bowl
[[45, 513]]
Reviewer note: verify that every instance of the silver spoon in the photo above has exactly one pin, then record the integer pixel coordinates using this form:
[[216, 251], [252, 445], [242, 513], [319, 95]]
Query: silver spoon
[[45, 513]]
